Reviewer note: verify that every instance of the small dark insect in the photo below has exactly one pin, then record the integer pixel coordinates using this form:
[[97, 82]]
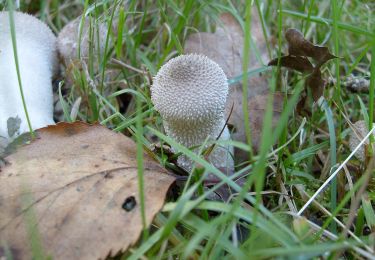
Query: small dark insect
[[129, 203]]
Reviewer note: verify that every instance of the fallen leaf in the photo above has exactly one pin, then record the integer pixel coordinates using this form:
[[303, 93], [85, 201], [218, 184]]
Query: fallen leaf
[[301, 64], [225, 47], [80, 182], [299, 46], [316, 83], [257, 110]]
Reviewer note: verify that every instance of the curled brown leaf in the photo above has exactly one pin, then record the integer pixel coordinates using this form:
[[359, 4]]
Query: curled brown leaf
[[299, 46], [299, 49], [298, 63]]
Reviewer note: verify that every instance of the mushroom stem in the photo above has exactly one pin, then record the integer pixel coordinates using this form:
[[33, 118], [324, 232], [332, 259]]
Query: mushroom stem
[[36, 49]]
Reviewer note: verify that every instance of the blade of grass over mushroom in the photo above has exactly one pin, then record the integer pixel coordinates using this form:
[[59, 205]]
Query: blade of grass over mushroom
[[193, 177], [15, 54]]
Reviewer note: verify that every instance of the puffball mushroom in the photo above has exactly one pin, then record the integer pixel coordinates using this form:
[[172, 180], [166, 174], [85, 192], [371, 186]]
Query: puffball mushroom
[[190, 93], [37, 60], [69, 40]]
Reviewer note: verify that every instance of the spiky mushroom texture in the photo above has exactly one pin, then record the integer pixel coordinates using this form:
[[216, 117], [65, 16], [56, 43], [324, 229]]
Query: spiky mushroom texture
[[356, 136], [190, 93], [37, 59]]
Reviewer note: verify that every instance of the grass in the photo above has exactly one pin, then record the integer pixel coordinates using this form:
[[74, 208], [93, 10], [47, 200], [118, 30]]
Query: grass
[[295, 158], [14, 45]]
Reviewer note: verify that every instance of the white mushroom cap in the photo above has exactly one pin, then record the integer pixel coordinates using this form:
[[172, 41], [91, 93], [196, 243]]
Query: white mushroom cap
[[361, 130], [190, 93], [190, 88], [68, 39], [37, 59]]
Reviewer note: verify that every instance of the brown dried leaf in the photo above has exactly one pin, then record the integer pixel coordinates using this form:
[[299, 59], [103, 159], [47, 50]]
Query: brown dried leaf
[[80, 181], [316, 83], [298, 63], [299, 46], [299, 49], [225, 47], [257, 109]]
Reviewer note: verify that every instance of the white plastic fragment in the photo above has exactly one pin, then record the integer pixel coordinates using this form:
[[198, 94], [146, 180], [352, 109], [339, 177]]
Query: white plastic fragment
[[37, 59], [190, 93]]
